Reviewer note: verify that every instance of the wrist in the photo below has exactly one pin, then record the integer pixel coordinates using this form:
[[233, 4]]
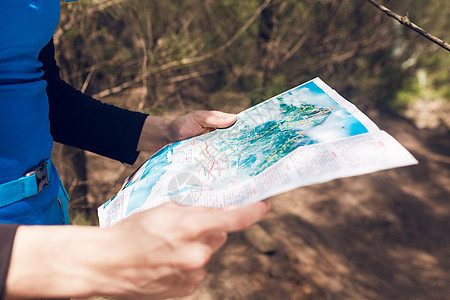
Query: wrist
[[57, 261], [155, 134]]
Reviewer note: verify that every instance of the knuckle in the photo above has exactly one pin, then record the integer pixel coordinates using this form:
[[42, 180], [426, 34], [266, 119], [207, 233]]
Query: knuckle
[[192, 229], [199, 257], [200, 275], [197, 113], [223, 237]]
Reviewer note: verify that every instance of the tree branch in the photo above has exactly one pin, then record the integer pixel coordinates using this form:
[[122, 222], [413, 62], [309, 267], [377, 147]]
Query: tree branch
[[405, 21]]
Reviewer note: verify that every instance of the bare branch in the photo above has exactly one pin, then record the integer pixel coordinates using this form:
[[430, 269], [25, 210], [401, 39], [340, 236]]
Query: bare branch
[[99, 6], [294, 49], [136, 80], [88, 79], [192, 75], [405, 21]]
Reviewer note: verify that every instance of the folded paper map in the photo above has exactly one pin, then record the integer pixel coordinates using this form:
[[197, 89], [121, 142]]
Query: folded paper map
[[309, 134]]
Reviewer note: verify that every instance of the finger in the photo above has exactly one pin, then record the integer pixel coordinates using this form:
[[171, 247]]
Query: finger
[[186, 287], [214, 239], [230, 220], [191, 256], [215, 119], [195, 276], [243, 217]]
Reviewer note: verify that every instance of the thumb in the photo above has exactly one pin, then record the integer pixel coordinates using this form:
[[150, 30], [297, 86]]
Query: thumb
[[216, 119]]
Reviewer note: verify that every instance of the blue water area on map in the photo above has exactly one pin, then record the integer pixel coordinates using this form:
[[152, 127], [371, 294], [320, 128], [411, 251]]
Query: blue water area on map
[[153, 171]]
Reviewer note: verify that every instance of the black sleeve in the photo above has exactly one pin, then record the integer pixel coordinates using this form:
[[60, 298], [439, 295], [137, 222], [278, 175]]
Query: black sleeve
[[81, 121], [7, 233]]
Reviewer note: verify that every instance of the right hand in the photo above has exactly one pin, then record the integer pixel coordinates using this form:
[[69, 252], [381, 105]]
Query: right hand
[[162, 252]]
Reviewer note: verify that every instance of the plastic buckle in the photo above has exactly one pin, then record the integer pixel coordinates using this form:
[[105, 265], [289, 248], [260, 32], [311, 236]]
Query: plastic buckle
[[41, 175]]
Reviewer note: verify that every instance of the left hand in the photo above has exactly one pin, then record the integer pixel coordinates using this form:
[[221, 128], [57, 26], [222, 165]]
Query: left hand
[[158, 131]]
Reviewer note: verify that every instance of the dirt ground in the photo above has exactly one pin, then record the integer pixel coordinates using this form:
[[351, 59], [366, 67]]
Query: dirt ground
[[385, 235]]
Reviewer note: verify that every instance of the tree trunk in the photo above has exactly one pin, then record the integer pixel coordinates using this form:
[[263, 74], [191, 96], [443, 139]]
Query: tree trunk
[[265, 31]]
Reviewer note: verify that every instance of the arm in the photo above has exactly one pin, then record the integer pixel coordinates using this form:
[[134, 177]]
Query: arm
[[146, 256], [81, 121]]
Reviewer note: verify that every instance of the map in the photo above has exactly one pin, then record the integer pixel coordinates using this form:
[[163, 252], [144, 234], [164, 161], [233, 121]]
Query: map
[[243, 163]]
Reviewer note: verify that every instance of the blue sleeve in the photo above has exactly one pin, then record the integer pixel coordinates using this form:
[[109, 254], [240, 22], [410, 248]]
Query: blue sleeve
[[81, 121]]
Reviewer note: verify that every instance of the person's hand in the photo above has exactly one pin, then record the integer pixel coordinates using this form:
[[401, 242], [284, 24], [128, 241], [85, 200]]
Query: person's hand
[[158, 131], [154, 254], [199, 122], [163, 251]]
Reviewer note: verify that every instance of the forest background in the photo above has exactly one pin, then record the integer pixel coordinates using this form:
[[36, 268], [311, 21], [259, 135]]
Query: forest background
[[169, 57]]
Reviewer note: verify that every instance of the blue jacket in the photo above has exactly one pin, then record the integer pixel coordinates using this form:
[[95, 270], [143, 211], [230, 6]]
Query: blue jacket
[[37, 106], [27, 26]]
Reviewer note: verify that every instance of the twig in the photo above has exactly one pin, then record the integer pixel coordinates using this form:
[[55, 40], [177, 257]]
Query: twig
[[294, 49], [88, 79], [192, 75], [99, 6], [405, 21]]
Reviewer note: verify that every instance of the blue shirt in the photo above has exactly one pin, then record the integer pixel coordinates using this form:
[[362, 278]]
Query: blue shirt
[[26, 27]]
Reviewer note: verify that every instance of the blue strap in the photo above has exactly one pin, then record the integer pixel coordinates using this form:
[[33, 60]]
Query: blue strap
[[26, 186], [64, 198], [20, 188]]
